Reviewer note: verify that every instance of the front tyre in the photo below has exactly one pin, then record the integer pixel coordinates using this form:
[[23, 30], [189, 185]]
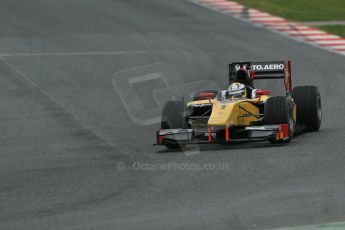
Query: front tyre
[[173, 117], [277, 111]]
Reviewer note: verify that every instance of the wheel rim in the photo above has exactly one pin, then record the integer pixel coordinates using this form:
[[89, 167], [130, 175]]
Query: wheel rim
[[291, 121], [319, 109], [291, 124]]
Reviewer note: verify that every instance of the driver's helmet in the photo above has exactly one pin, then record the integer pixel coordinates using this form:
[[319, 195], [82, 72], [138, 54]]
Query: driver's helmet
[[237, 90]]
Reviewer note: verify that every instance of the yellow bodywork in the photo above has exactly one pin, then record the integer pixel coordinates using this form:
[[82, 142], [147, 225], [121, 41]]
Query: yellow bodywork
[[234, 112], [201, 102]]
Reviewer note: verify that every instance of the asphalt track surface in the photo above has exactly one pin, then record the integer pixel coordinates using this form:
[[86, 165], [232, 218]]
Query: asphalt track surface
[[64, 130]]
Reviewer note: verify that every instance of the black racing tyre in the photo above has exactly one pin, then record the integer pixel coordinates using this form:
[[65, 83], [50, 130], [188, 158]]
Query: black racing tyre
[[173, 115], [309, 109], [198, 97], [173, 118], [277, 111]]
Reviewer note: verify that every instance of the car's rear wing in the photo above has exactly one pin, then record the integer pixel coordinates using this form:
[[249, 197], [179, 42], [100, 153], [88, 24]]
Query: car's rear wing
[[264, 70]]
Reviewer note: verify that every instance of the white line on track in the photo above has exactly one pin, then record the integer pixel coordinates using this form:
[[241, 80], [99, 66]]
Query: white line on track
[[24, 76], [78, 53], [33, 84]]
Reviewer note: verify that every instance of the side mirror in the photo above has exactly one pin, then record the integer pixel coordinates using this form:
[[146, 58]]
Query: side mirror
[[260, 92]]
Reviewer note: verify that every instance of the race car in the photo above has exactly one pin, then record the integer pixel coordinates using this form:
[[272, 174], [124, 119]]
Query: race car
[[243, 113]]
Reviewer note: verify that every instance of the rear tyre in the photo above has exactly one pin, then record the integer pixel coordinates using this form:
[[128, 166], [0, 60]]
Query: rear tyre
[[277, 111], [173, 118], [309, 109]]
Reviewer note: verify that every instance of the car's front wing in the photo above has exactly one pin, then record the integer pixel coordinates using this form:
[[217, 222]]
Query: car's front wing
[[211, 135]]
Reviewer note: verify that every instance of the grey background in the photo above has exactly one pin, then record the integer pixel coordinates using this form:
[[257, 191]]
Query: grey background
[[64, 129]]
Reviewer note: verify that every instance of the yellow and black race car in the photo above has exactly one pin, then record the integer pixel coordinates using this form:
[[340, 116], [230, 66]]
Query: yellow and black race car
[[242, 112]]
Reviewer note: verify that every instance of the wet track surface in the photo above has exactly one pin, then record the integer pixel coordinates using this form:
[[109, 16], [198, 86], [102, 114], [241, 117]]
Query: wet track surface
[[65, 130]]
